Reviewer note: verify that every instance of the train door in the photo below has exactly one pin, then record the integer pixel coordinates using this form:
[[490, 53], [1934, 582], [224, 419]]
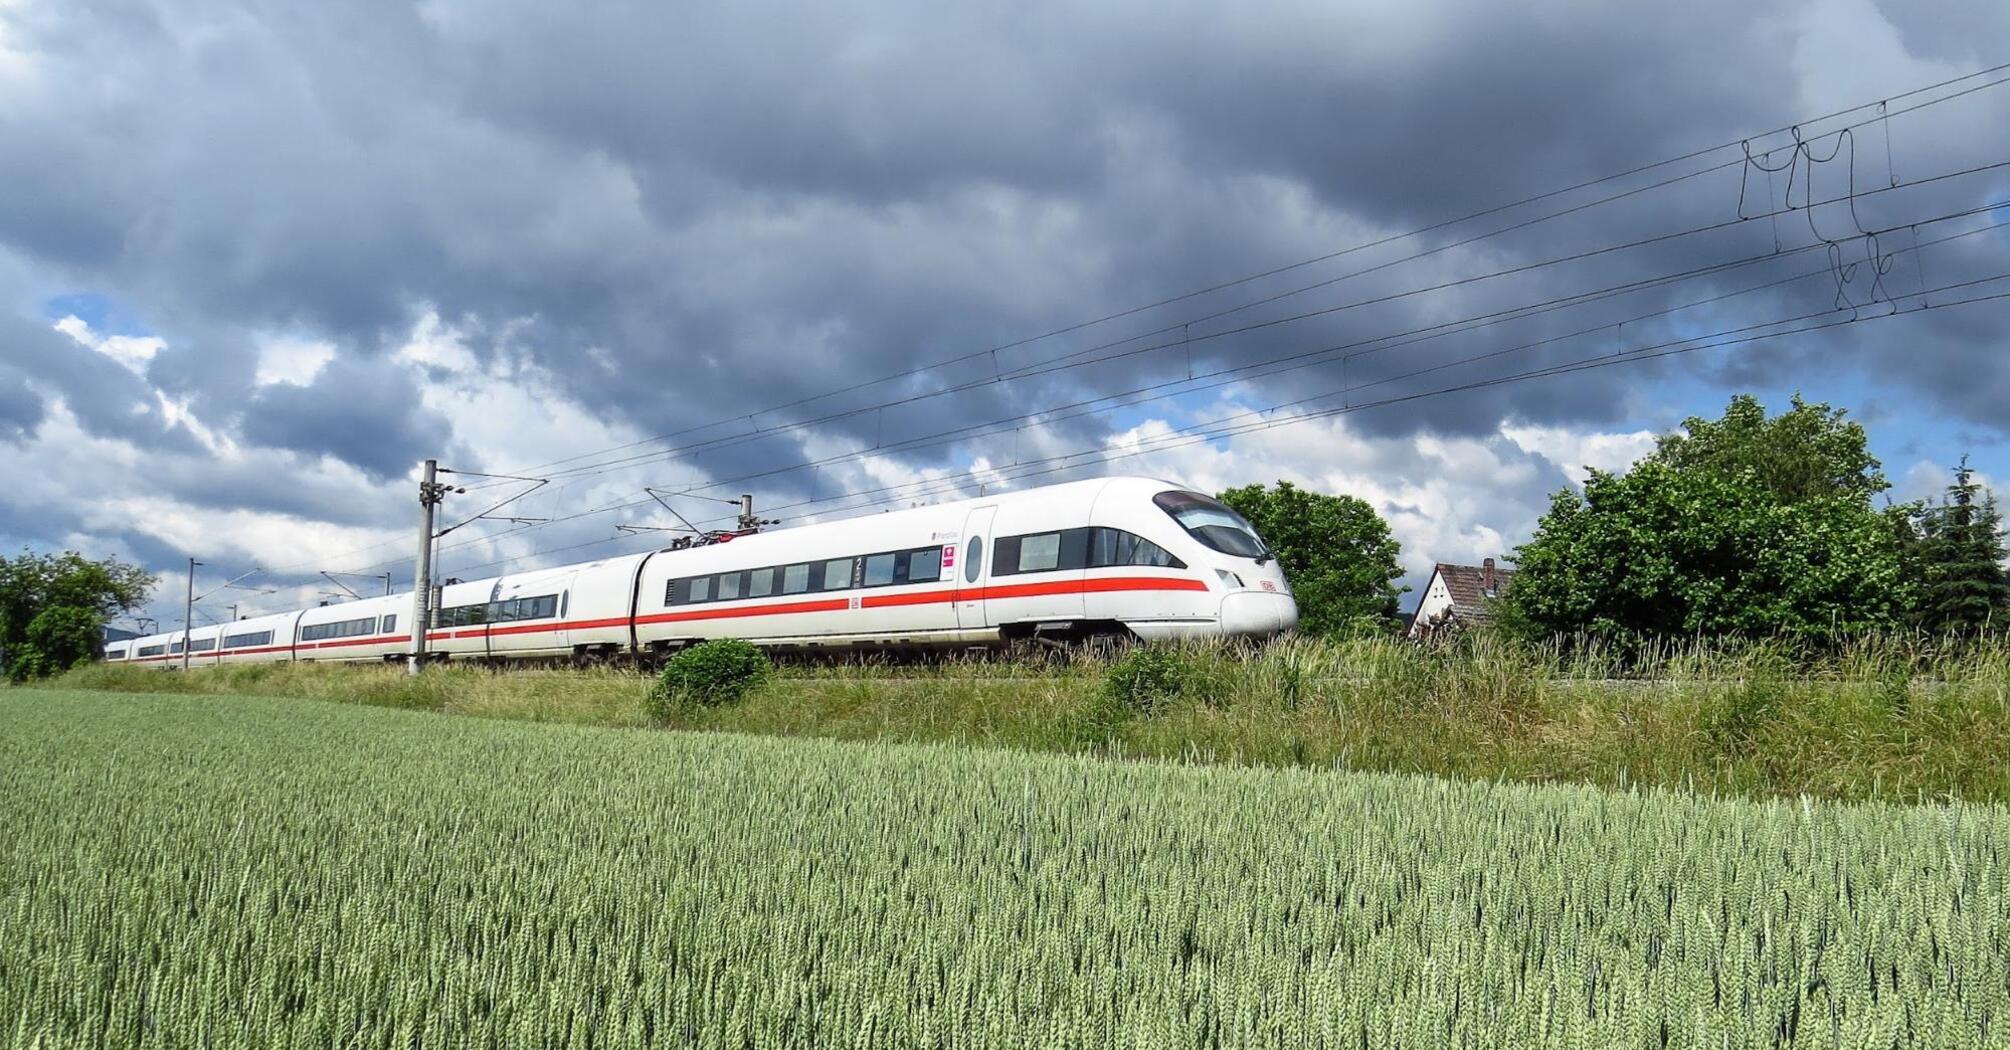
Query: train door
[[973, 568]]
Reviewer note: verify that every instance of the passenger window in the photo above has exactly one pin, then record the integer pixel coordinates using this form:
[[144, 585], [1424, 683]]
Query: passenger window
[[701, 589], [1039, 553], [729, 586], [924, 566], [973, 559], [795, 579], [390, 623], [761, 583], [879, 570], [837, 574]]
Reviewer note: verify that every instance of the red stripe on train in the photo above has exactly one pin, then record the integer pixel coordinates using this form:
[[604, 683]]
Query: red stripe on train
[[1102, 585], [1099, 585], [825, 605]]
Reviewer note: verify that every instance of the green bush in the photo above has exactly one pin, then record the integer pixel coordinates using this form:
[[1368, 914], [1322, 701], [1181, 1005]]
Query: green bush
[[707, 675], [1147, 679]]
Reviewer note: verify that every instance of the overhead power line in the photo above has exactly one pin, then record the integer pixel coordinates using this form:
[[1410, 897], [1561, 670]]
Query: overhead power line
[[1882, 107], [1024, 371], [1392, 341], [1064, 363], [1216, 430]]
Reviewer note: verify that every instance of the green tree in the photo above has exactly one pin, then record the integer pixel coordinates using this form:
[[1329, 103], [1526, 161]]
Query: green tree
[[1807, 452], [1745, 525], [53, 608], [1335, 550], [1961, 557]]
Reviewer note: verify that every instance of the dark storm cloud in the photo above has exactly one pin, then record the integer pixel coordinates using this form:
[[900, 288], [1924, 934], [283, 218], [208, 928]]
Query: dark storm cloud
[[107, 399], [20, 407], [362, 411], [689, 215]]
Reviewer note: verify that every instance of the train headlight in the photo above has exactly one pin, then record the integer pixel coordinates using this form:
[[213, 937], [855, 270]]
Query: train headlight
[[1229, 579]]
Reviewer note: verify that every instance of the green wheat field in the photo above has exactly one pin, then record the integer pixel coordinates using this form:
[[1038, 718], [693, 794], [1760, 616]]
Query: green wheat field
[[191, 871]]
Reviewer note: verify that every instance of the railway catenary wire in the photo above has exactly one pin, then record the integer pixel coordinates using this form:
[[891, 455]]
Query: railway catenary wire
[[1056, 366], [1885, 113], [1006, 423], [1046, 415], [1213, 431], [1036, 369], [1228, 376], [1029, 416]]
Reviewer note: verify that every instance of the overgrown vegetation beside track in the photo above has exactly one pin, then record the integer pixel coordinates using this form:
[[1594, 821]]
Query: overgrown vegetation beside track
[[246, 872], [1902, 718]]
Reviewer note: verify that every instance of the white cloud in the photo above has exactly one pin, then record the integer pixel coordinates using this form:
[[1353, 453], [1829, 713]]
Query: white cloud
[[1576, 450], [1446, 499], [132, 352], [17, 65], [1928, 480], [436, 344], [292, 360]]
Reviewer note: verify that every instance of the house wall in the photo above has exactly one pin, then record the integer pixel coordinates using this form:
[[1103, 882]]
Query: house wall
[[1436, 601]]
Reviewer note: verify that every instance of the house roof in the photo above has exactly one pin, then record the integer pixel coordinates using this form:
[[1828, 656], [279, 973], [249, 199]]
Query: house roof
[[1467, 586]]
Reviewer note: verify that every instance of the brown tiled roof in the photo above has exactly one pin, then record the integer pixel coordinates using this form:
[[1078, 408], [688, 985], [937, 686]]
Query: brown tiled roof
[[1468, 590]]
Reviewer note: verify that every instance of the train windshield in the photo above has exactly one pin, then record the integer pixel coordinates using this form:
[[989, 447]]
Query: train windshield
[[1214, 524]]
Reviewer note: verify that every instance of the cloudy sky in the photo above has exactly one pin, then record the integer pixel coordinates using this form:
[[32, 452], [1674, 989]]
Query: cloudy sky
[[257, 259]]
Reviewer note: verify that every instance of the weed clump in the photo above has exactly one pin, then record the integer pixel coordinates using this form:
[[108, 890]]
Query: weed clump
[[1147, 679], [709, 674]]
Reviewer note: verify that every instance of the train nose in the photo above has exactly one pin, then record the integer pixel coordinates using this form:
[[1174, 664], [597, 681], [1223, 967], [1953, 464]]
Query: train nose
[[1257, 614]]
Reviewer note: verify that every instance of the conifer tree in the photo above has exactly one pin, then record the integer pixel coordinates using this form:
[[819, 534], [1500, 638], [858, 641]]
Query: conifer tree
[[1961, 553]]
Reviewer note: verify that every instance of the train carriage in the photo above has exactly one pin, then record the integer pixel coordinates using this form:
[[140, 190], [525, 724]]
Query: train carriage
[[1111, 557], [258, 639]]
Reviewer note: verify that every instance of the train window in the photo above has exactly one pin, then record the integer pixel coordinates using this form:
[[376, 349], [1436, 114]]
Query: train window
[[837, 574], [1213, 523], [1043, 552], [924, 566], [201, 645], [879, 569], [457, 616], [729, 585], [562, 596], [390, 623], [239, 641], [760, 583], [174, 647], [795, 579], [152, 650], [1109, 547], [115, 654], [1039, 552], [701, 589], [973, 559]]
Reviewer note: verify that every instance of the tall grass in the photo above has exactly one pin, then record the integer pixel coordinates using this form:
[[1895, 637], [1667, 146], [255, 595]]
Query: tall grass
[[1892, 718]]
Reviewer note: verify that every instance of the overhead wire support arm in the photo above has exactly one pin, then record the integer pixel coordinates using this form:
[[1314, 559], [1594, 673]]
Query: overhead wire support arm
[[658, 497], [535, 484], [330, 577], [229, 584], [385, 576]]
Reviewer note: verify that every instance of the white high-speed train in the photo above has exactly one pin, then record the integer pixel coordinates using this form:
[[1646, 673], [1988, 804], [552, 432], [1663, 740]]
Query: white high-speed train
[[1119, 556]]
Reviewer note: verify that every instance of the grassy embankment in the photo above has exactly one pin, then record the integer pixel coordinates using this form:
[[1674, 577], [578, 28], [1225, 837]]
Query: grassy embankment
[[252, 872], [1901, 719]]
